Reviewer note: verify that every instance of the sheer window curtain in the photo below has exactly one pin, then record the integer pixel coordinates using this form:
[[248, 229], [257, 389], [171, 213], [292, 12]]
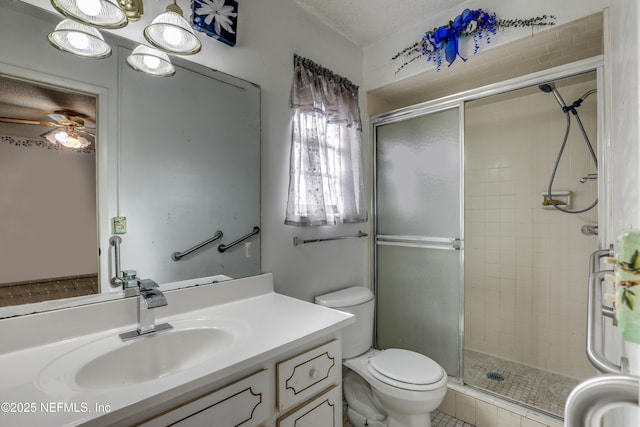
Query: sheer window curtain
[[326, 182]]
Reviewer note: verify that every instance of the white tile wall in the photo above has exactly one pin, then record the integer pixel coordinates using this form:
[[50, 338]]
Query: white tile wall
[[525, 266]]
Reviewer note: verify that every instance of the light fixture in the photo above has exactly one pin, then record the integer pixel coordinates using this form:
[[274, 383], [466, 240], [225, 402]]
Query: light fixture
[[79, 39], [172, 33], [132, 8], [98, 13], [151, 61], [67, 137]]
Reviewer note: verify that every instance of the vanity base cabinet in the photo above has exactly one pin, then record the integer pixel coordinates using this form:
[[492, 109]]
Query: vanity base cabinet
[[300, 387]]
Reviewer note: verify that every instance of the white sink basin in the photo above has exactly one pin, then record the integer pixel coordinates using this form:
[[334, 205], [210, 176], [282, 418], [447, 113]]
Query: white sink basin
[[153, 356], [108, 362]]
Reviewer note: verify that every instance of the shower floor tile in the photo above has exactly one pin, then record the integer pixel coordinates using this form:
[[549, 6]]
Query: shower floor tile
[[541, 390]]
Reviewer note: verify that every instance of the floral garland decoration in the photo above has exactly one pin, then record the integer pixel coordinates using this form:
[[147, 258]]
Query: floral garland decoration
[[445, 39]]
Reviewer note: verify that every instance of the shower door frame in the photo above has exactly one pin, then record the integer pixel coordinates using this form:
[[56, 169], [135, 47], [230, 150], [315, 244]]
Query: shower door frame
[[459, 100]]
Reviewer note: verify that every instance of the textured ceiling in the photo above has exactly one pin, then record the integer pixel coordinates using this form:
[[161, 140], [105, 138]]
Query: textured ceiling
[[366, 21], [28, 101]]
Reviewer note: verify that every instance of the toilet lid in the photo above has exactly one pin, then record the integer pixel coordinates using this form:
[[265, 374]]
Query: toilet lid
[[406, 367]]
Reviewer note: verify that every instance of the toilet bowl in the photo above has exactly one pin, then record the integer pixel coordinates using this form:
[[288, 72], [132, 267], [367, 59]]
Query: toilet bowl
[[383, 388]]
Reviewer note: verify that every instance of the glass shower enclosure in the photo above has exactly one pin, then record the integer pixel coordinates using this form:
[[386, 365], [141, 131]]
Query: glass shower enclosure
[[419, 234], [419, 154]]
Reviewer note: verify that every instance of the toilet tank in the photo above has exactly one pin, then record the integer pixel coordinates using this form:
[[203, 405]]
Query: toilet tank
[[357, 300]]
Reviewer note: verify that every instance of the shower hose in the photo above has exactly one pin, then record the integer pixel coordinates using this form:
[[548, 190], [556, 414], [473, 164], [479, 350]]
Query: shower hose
[[574, 111]]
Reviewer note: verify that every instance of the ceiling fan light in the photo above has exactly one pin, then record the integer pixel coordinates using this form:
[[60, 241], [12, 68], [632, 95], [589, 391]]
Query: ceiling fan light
[[170, 32], [75, 141], [51, 136], [98, 13], [151, 61], [69, 139], [79, 39]]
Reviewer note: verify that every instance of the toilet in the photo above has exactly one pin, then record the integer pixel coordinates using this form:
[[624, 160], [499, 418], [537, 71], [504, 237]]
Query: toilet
[[383, 388]]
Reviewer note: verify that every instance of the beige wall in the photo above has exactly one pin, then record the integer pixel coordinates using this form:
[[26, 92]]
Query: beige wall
[[526, 267], [51, 194]]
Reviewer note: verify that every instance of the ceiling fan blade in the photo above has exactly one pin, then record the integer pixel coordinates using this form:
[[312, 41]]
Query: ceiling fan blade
[[25, 122], [82, 130]]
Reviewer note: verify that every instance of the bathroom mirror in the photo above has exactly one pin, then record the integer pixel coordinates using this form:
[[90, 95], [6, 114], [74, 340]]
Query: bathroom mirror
[[177, 158]]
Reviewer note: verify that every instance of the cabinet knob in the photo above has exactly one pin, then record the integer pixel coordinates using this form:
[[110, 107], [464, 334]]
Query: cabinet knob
[[313, 373]]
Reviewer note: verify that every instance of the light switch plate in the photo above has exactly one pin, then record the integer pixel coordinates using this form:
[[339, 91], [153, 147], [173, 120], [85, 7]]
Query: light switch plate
[[119, 225]]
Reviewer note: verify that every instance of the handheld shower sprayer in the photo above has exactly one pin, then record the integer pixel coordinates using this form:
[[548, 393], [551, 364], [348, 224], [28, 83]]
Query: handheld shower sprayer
[[551, 87]]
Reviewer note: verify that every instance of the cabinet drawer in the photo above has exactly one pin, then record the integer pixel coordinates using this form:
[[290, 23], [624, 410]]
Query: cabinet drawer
[[307, 374], [323, 411], [244, 403]]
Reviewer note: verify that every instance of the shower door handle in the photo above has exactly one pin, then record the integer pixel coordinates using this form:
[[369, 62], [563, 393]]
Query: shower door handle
[[595, 312], [424, 242]]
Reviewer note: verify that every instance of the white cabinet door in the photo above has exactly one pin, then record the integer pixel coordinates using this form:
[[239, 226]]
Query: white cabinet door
[[244, 403], [323, 411]]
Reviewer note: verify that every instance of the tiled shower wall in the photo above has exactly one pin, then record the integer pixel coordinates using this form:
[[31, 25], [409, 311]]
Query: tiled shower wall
[[526, 267]]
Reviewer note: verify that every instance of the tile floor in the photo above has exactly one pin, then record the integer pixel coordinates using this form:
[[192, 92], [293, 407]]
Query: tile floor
[[438, 419], [531, 387]]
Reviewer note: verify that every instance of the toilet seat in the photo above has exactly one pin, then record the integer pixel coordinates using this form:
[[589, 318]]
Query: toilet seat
[[405, 369]]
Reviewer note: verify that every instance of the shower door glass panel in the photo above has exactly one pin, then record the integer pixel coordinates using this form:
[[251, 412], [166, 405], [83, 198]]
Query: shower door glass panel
[[418, 236]]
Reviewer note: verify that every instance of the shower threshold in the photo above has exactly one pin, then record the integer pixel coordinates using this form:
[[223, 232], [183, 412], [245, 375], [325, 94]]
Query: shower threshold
[[532, 388]]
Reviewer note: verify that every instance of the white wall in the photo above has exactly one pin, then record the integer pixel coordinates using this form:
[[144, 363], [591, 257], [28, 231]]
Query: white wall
[[269, 33], [380, 70], [625, 115], [624, 80]]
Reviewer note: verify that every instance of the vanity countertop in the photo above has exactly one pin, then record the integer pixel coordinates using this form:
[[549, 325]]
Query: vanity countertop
[[270, 324]]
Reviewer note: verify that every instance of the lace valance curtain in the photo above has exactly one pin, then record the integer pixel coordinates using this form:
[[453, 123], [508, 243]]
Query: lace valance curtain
[[326, 183]]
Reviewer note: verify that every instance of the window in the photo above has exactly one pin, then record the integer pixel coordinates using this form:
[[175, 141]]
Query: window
[[326, 183]]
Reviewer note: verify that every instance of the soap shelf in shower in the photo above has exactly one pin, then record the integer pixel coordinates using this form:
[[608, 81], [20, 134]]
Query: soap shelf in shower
[[562, 198]]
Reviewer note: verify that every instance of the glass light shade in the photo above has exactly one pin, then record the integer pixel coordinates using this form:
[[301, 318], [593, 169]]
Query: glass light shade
[[79, 39], [151, 61], [98, 13], [172, 33], [69, 139]]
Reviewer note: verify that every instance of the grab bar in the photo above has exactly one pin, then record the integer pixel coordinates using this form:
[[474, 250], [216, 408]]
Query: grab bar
[[117, 280], [592, 398], [595, 311], [223, 248], [177, 255], [297, 241], [595, 257]]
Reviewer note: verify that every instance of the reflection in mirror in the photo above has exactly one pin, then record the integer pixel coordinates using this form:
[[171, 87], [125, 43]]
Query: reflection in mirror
[[179, 158], [48, 214]]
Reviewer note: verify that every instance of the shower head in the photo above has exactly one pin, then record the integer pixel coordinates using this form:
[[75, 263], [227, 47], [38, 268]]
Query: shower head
[[551, 87], [547, 87]]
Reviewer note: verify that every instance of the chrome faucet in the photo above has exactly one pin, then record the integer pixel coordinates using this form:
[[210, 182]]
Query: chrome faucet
[[149, 297]]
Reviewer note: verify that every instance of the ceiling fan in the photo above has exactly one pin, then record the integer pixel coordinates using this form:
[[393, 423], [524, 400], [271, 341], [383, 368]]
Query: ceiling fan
[[70, 128]]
